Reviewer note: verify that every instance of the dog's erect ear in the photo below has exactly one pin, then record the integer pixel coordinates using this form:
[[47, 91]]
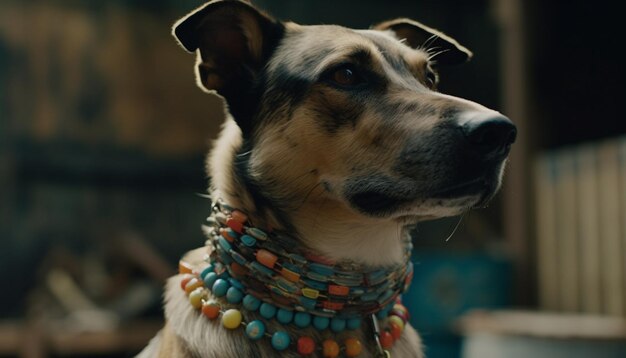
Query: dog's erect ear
[[445, 50], [234, 41]]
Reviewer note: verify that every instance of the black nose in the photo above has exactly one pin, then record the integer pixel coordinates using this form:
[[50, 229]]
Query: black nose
[[489, 133]]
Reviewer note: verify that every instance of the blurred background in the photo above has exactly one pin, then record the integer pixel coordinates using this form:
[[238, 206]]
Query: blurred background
[[103, 135]]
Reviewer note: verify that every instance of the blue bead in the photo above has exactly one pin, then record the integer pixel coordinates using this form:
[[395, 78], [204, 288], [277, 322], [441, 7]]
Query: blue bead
[[232, 233], [284, 316], [248, 240], [307, 303], [220, 287], [321, 323], [353, 323], [267, 311], [323, 270], [236, 283], [206, 271], [234, 295], [209, 279], [280, 340], [251, 303], [224, 244], [302, 319], [337, 324], [255, 330]]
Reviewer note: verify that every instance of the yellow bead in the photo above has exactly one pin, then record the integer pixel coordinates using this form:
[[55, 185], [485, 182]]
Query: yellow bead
[[310, 293], [353, 347], [195, 297], [397, 320], [231, 319]]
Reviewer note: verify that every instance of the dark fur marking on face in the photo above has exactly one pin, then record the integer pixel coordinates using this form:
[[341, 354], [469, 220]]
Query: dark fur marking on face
[[334, 114], [262, 201]]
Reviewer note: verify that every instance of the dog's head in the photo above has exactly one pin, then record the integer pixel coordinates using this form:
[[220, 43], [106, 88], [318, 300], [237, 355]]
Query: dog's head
[[350, 118]]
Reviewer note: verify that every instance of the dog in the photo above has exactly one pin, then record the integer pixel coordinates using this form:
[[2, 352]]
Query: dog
[[336, 142]]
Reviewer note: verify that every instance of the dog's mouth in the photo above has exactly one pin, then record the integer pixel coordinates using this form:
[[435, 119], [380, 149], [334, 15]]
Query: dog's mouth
[[382, 196], [377, 203]]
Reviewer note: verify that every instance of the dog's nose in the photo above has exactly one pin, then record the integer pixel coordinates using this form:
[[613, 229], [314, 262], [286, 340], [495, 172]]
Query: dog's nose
[[489, 133]]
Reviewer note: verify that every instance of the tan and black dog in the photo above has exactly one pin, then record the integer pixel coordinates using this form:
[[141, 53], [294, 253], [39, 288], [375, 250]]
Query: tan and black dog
[[337, 137]]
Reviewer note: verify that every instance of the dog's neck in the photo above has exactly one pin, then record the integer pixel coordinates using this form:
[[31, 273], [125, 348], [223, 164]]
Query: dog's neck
[[325, 228]]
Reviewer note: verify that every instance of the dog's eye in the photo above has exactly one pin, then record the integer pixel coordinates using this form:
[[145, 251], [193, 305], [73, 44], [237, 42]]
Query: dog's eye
[[346, 76]]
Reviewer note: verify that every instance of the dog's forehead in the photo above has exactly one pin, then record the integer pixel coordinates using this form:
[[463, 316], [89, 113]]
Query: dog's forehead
[[308, 48]]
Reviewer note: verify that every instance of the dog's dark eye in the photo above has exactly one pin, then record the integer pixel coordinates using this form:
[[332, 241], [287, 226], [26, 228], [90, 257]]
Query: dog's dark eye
[[346, 76]]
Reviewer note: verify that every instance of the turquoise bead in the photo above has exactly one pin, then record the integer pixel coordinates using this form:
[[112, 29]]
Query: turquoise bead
[[232, 233], [236, 283], [323, 270], [302, 319], [284, 316], [224, 244], [257, 233], [209, 279], [206, 271], [220, 287], [248, 240], [321, 323], [251, 303], [267, 311], [280, 340], [234, 295], [307, 303], [337, 324], [255, 330], [353, 323]]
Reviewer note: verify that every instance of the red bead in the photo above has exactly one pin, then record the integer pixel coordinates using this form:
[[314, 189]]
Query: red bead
[[211, 310], [266, 258], [306, 345], [335, 306], [386, 340], [235, 225], [186, 278], [239, 216], [238, 270], [396, 331]]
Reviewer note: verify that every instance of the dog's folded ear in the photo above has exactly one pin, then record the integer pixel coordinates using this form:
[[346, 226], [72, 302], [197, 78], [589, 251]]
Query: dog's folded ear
[[444, 49], [234, 41]]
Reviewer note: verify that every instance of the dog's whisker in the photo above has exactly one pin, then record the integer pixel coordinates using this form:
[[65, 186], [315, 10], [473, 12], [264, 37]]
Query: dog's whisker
[[456, 227], [306, 197], [430, 40], [437, 53]]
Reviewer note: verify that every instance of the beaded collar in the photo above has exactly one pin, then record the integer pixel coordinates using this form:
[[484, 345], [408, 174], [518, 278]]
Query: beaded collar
[[271, 273]]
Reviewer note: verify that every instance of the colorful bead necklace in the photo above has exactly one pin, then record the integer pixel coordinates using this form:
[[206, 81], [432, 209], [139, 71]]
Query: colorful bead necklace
[[247, 267]]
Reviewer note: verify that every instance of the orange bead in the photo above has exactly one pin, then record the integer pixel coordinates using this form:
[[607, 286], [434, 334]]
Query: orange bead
[[306, 345], [290, 275], [396, 331], [330, 349], [184, 267], [239, 216], [386, 340], [193, 284], [353, 347], [266, 258], [211, 310], [338, 290], [228, 238], [186, 278]]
